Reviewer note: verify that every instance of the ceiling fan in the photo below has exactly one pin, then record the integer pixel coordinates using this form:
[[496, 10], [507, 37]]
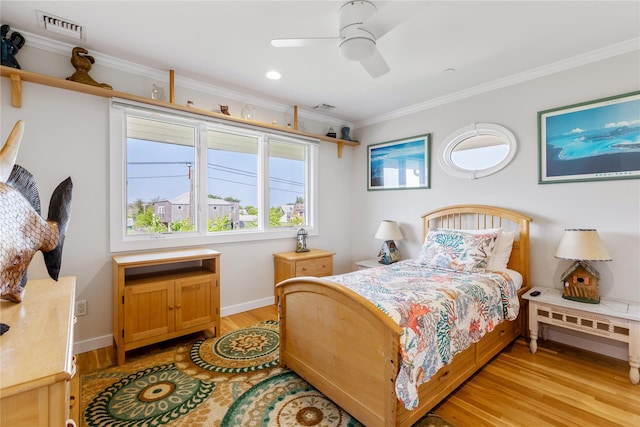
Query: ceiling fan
[[360, 26]]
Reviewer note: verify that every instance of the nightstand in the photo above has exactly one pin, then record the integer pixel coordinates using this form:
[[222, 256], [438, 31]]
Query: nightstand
[[614, 319], [367, 263], [316, 263]]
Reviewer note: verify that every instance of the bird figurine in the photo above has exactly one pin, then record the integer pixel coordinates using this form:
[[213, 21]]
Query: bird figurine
[[82, 63]]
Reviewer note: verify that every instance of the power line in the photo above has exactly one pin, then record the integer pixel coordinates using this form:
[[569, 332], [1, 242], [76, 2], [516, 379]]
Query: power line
[[212, 166]]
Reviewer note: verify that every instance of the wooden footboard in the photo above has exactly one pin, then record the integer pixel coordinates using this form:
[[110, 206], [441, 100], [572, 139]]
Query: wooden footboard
[[349, 350], [343, 345]]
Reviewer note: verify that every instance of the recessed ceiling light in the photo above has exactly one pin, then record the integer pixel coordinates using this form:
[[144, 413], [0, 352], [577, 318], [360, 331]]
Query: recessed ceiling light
[[274, 75]]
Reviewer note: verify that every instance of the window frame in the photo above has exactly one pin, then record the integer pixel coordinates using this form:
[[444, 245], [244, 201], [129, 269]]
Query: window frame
[[120, 241]]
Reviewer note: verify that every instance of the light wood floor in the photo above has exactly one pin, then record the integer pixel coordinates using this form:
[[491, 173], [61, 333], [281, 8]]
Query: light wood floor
[[106, 357], [557, 386]]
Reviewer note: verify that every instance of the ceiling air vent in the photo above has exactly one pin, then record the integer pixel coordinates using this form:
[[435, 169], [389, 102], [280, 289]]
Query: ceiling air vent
[[62, 26], [325, 107]]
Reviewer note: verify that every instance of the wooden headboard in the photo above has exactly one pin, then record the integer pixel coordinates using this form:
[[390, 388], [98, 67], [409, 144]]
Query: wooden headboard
[[477, 217]]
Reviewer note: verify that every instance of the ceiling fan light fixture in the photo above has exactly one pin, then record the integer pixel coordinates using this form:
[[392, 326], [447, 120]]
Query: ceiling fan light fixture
[[357, 48]]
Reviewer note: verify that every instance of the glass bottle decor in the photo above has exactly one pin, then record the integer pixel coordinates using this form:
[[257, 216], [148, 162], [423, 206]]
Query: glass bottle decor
[[157, 93], [249, 112]]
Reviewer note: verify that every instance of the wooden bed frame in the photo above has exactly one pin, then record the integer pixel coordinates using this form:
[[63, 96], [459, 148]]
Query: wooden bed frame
[[356, 366]]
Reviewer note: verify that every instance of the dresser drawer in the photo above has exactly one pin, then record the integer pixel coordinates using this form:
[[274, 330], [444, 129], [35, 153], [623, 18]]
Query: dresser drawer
[[318, 267], [497, 339], [449, 376]]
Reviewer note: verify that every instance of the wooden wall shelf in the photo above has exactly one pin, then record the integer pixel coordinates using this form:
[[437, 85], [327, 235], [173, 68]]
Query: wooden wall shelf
[[17, 76]]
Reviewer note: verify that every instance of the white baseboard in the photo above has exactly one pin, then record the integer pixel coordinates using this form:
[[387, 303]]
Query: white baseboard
[[251, 305], [92, 344], [107, 340]]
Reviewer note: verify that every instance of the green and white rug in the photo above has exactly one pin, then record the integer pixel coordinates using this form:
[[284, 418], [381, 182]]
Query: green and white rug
[[230, 381]]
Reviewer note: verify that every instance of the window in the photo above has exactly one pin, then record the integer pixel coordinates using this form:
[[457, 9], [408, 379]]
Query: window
[[287, 185], [179, 179]]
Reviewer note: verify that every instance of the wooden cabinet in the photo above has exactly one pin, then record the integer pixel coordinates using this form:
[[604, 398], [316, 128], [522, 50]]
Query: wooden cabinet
[[316, 263], [37, 355], [163, 295]]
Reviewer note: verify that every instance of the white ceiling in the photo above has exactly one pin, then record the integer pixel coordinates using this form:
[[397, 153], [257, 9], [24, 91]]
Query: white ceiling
[[227, 44]]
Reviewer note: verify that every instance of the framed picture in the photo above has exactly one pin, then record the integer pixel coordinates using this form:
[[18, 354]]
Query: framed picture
[[592, 141], [399, 165]]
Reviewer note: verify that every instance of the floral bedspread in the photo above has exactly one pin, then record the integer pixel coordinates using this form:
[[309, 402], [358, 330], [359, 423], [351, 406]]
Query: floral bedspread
[[441, 313]]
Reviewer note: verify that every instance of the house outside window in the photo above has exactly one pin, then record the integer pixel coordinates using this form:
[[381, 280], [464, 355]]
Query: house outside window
[[179, 179]]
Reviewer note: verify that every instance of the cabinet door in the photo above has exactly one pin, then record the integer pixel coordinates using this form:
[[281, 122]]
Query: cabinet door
[[148, 310], [193, 301]]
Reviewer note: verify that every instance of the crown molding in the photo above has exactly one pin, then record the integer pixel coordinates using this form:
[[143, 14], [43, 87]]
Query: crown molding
[[64, 49], [566, 64]]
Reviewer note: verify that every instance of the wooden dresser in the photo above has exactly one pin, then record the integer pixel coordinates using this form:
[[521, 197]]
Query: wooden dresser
[[37, 355]]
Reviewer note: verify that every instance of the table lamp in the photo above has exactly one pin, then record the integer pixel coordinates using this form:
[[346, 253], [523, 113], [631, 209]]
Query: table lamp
[[581, 281], [388, 231]]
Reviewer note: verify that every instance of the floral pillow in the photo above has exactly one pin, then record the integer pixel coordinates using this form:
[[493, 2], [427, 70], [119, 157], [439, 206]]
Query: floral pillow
[[458, 250]]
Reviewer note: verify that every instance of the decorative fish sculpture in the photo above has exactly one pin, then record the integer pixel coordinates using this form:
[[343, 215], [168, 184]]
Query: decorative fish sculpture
[[23, 231]]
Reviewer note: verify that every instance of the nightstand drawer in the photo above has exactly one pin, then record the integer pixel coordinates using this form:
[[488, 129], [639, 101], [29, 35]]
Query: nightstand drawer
[[315, 267]]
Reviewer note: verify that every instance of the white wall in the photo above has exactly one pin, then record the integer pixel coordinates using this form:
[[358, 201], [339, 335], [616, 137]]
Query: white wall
[[67, 134], [612, 207]]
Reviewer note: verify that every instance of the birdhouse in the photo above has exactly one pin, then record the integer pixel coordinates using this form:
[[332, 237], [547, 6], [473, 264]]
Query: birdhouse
[[581, 283]]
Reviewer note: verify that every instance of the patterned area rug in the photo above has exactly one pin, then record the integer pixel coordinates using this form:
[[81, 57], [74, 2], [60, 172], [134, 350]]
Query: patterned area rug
[[230, 381]]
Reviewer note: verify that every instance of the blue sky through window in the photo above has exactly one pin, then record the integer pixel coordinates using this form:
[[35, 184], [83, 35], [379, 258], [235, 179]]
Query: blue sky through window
[[157, 170]]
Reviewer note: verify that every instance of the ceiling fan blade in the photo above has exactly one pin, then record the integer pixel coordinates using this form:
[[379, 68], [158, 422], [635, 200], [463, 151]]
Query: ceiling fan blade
[[390, 16], [375, 65], [311, 41]]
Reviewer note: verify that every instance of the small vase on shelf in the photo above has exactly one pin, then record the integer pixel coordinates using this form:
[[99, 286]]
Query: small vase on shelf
[[249, 112], [157, 93]]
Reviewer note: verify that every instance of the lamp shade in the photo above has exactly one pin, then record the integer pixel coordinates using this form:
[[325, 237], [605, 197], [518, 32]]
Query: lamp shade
[[582, 245], [388, 230]]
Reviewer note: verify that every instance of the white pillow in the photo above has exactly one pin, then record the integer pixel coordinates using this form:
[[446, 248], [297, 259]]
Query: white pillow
[[502, 251]]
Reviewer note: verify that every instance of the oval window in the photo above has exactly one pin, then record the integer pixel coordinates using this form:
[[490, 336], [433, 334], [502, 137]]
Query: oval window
[[478, 150]]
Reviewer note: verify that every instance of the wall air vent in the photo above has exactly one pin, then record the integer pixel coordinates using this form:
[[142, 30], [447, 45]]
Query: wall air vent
[[62, 26], [325, 107]]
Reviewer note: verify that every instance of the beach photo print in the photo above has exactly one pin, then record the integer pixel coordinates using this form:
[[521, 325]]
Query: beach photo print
[[596, 140]]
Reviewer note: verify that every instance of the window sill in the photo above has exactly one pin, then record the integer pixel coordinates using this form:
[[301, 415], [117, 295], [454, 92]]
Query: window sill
[[168, 241]]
